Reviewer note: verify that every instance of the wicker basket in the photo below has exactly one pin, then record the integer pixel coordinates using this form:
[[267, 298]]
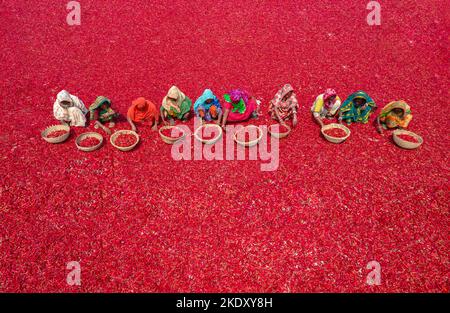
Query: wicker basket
[[406, 144], [54, 128], [252, 142], [335, 139], [279, 135], [114, 136], [89, 135], [208, 141], [170, 140]]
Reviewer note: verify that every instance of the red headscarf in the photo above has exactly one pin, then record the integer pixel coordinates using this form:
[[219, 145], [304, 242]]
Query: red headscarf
[[142, 110]]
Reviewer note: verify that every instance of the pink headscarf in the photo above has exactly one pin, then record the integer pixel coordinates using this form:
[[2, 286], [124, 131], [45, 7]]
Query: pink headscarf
[[237, 94], [326, 98]]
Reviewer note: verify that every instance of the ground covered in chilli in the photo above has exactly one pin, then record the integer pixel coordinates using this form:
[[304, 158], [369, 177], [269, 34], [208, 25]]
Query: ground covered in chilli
[[140, 221]]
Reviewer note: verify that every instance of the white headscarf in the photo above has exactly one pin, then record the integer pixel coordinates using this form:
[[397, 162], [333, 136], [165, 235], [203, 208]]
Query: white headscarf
[[174, 93], [74, 113]]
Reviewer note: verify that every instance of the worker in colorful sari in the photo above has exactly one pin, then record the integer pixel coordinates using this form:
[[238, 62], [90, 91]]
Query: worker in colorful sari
[[396, 114], [327, 105], [357, 108], [69, 109], [101, 111], [284, 105], [144, 112], [239, 106], [207, 107], [175, 105]]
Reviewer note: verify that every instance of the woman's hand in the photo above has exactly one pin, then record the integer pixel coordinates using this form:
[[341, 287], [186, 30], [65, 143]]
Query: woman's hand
[[133, 127], [174, 107], [277, 116], [294, 120], [103, 127], [318, 119], [225, 118], [378, 125]]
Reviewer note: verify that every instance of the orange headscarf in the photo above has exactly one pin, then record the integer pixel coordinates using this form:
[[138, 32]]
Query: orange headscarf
[[142, 110]]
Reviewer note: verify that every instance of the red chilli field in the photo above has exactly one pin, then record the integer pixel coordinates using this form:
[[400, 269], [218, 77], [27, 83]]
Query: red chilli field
[[141, 222]]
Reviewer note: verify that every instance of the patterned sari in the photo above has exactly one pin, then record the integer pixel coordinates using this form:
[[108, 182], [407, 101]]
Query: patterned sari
[[104, 114], [352, 113], [240, 105], [390, 119], [285, 107], [324, 107], [179, 107], [208, 111]]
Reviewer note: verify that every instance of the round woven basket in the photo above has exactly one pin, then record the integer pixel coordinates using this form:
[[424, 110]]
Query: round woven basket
[[406, 144], [248, 143], [279, 135], [89, 135], [114, 136], [335, 139], [54, 128], [170, 140], [208, 141]]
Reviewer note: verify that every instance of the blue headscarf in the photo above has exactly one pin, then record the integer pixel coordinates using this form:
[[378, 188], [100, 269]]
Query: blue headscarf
[[351, 113], [201, 102]]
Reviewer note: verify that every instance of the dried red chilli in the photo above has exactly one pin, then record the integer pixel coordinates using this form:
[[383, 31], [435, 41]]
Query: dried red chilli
[[171, 133], [140, 221], [125, 140], [209, 135], [281, 129], [409, 138], [56, 134], [248, 134], [89, 142], [335, 132]]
